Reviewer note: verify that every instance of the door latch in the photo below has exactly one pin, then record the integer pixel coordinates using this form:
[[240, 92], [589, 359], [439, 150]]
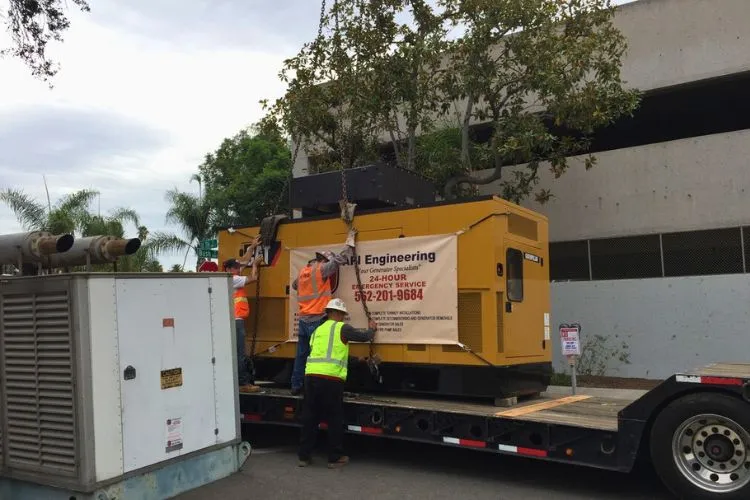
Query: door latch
[[129, 373]]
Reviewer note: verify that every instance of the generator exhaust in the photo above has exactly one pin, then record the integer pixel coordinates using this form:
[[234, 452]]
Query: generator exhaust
[[95, 250], [33, 246]]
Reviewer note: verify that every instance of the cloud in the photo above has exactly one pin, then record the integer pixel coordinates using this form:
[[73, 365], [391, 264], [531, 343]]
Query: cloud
[[214, 24], [59, 139]]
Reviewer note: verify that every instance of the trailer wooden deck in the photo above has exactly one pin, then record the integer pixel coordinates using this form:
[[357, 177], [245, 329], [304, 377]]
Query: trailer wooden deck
[[578, 411], [733, 370]]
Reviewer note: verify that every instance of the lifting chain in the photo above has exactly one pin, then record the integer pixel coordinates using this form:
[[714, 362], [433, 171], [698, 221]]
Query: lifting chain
[[347, 214], [287, 185]]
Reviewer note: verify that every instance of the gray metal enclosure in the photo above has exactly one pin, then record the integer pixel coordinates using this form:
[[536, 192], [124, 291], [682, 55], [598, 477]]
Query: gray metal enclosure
[[71, 420]]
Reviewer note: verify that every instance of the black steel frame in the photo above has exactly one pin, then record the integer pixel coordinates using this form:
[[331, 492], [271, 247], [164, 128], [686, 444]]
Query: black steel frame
[[480, 381], [566, 443]]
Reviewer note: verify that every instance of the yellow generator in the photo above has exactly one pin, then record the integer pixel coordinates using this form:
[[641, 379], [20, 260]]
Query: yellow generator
[[460, 290]]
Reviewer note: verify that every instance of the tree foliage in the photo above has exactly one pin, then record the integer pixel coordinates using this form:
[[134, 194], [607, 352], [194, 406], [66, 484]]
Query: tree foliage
[[193, 215], [544, 74], [541, 76], [32, 25], [69, 214], [371, 72], [246, 178]]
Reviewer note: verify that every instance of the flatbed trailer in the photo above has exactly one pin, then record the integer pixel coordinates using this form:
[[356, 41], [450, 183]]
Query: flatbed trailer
[[694, 427]]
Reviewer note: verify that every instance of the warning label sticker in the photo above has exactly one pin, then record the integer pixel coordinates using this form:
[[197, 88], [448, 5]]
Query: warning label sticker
[[174, 435], [171, 378]]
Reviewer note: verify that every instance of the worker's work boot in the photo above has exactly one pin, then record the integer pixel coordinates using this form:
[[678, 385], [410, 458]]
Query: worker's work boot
[[339, 463], [249, 388], [304, 463]]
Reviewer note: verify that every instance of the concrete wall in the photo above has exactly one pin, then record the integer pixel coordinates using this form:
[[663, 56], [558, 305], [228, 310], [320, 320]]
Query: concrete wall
[[678, 41], [670, 324], [695, 183]]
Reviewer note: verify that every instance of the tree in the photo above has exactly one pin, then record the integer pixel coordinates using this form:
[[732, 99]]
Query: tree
[[544, 74], [194, 217], [245, 178], [176, 268], [373, 70], [32, 25], [69, 215], [541, 75], [112, 224]]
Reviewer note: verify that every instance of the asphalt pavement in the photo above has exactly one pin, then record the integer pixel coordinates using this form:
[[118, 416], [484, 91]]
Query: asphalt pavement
[[390, 469]]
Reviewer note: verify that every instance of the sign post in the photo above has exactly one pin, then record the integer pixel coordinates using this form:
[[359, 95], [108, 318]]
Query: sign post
[[570, 340]]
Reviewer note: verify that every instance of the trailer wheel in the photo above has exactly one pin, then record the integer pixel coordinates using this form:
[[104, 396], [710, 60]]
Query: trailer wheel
[[700, 447]]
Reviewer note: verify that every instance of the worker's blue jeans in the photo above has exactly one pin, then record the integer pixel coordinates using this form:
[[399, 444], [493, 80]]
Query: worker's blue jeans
[[306, 329], [243, 374]]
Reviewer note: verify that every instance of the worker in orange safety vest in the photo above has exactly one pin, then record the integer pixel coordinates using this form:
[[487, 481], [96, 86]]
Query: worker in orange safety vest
[[315, 286], [242, 309]]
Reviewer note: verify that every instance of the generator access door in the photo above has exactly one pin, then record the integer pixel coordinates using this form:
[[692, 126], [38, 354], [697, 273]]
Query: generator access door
[[525, 302], [166, 374]]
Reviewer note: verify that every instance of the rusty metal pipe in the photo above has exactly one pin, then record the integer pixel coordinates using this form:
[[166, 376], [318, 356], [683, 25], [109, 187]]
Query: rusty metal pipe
[[95, 250], [55, 244], [122, 247], [33, 246]]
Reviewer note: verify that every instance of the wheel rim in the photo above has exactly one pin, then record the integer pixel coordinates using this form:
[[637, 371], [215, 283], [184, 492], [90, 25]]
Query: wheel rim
[[711, 451]]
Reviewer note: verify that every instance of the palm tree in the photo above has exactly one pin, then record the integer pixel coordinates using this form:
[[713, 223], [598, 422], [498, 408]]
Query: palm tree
[[197, 178], [193, 215], [112, 224], [68, 215]]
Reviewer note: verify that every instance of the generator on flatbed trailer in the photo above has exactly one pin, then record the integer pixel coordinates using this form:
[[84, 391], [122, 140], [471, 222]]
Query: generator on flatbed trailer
[[694, 427], [459, 288]]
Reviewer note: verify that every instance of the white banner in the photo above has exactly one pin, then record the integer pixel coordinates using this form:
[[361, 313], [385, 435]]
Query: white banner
[[410, 285]]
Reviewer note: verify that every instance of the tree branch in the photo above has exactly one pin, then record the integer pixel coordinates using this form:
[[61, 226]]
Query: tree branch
[[465, 153], [455, 182]]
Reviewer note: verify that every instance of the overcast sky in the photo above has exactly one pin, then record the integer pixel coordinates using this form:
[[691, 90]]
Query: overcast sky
[[146, 88]]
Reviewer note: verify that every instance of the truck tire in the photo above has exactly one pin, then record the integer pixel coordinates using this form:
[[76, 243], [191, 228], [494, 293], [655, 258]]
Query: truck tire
[[700, 447]]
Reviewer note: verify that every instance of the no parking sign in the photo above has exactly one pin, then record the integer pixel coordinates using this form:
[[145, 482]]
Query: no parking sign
[[570, 340]]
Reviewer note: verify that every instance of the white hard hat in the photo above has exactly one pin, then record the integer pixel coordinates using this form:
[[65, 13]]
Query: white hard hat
[[337, 305]]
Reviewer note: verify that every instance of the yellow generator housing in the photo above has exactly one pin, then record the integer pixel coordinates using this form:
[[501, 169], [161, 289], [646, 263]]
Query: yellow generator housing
[[503, 299]]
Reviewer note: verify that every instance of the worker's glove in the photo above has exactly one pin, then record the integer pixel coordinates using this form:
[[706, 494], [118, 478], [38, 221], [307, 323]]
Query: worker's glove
[[347, 211], [350, 238]]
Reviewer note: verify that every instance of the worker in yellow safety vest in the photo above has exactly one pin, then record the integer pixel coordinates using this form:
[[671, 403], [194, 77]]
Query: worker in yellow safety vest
[[325, 375], [242, 309], [315, 286]]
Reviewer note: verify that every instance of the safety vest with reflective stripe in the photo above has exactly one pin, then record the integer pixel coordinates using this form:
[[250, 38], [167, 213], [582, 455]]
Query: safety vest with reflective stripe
[[313, 292], [329, 356], [241, 304]]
